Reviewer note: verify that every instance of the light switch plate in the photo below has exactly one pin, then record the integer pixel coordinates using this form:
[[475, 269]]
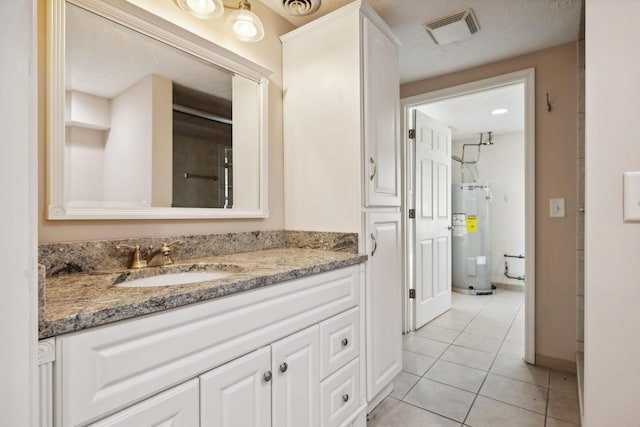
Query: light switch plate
[[556, 208], [631, 188]]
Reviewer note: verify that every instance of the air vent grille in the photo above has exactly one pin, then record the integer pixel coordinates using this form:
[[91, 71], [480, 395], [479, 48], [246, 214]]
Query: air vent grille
[[454, 27], [300, 7]]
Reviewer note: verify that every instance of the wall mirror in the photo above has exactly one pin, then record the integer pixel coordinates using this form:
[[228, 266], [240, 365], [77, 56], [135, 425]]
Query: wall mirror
[[147, 120]]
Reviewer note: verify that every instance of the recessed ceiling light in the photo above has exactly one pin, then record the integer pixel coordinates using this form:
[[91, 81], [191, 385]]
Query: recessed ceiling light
[[499, 111]]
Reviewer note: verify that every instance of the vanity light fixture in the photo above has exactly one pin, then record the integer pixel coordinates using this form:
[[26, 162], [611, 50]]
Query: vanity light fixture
[[246, 25], [499, 111], [203, 9]]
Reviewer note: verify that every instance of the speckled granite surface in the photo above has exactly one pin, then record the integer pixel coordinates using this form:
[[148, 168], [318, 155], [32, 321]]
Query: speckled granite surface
[[341, 242], [77, 257], [41, 282], [83, 300]]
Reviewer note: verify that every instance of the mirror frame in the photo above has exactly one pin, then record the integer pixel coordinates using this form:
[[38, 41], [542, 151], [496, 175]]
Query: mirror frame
[[153, 26]]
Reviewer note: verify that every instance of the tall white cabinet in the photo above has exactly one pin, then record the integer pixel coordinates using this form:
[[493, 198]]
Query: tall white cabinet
[[342, 160]]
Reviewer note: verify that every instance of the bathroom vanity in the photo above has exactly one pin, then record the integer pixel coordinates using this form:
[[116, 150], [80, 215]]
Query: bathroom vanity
[[260, 349]]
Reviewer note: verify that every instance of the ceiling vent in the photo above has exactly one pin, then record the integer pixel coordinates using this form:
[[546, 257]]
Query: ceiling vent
[[300, 7], [452, 28]]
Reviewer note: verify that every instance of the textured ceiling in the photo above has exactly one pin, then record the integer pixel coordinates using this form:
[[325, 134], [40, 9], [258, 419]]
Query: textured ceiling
[[507, 28]]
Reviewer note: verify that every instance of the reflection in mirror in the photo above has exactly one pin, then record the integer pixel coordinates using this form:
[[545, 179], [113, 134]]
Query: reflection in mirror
[[154, 122], [152, 126]]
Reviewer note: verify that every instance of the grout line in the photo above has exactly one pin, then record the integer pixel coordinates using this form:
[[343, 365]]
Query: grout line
[[492, 362], [495, 355]]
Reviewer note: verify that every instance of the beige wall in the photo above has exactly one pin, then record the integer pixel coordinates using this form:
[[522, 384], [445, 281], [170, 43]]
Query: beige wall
[[267, 53], [612, 246], [555, 177]]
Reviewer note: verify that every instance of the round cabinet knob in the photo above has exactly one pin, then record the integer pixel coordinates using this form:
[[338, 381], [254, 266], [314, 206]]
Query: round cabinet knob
[[284, 367], [345, 397], [267, 376], [345, 342]]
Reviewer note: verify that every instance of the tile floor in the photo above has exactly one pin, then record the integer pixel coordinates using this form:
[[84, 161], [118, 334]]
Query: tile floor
[[466, 368]]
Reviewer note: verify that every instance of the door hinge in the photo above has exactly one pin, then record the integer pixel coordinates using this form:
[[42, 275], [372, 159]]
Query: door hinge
[[412, 213], [412, 134], [412, 293]]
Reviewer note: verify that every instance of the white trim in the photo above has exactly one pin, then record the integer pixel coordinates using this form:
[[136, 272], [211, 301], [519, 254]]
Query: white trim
[[19, 216], [147, 23], [527, 77], [46, 357]]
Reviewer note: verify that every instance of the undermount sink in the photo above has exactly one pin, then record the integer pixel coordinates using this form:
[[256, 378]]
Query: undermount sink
[[173, 275], [175, 279]]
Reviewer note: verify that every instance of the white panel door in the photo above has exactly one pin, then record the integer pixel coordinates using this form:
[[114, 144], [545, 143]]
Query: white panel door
[[381, 111], [238, 393], [295, 363], [383, 300], [177, 406], [433, 215]]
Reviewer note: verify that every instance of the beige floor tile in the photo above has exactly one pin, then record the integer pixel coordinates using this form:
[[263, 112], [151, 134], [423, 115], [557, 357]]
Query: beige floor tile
[[512, 350], [478, 342], [402, 383], [451, 322], [515, 335], [564, 382], [442, 399], [488, 328], [520, 370], [468, 357], [563, 406], [490, 413], [425, 346], [415, 363], [514, 392], [463, 377], [438, 334], [552, 422], [393, 413]]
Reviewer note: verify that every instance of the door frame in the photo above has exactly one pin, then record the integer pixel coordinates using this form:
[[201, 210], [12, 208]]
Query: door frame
[[527, 78]]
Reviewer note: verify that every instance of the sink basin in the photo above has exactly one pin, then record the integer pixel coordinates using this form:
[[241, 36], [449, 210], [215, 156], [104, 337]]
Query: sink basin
[[174, 279]]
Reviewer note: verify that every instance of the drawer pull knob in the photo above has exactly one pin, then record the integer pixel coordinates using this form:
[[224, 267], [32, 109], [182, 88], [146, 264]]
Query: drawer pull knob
[[345, 342], [284, 367], [345, 397], [267, 376]]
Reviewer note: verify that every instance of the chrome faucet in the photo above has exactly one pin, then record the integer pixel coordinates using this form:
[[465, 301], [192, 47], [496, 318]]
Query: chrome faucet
[[160, 256]]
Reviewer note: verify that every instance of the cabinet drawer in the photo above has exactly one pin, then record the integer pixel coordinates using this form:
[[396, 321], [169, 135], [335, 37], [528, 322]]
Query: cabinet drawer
[[339, 395], [339, 341], [176, 407]]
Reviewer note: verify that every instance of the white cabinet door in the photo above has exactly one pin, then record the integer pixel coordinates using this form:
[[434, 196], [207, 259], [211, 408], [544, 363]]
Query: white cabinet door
[[433, 213], [381, 110], [238, 394], [177, 406], [296, 382], [383, 300]]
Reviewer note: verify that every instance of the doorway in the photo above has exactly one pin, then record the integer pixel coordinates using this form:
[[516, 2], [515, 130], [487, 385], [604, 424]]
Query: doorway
[[467, 171]]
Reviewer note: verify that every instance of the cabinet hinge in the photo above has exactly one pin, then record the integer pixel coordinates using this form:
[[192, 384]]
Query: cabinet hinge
[[412, 213], [412, 293], [412, 134]]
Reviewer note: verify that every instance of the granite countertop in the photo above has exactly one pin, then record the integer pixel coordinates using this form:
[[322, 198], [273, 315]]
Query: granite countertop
[[78, 301]]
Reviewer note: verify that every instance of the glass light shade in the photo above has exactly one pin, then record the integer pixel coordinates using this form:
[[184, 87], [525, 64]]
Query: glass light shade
[[203, 9], [246, 25]]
